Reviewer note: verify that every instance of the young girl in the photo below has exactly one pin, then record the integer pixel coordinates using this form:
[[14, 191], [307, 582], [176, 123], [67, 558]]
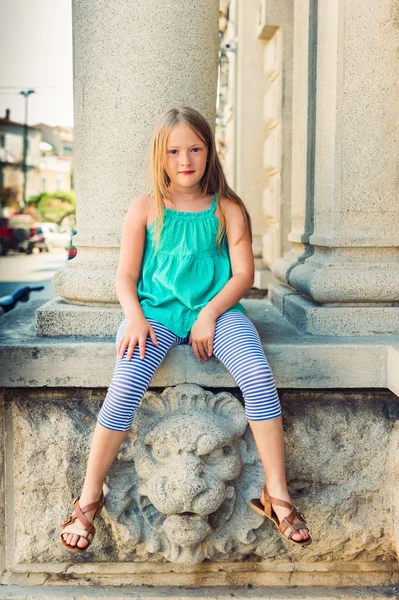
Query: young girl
[[186, 260]]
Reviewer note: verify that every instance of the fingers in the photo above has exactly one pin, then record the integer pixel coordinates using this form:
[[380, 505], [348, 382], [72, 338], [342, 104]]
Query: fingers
[[195, 350], [122, 347], [203, 348], [153, 336], [130, 346], [134, 341]]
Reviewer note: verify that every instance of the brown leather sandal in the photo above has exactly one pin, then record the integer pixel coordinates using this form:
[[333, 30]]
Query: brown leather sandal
[[292, 522], [89, 530]]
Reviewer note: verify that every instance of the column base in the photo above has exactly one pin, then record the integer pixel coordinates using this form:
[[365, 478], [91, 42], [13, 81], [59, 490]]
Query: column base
[[263, 278], [316, 319], [58, 317]]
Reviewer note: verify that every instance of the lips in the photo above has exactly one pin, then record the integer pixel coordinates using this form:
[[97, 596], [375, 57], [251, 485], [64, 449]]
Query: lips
[[186, 172]]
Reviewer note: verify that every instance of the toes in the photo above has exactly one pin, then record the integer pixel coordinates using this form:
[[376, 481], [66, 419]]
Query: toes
[[75, 540], [82, 543], [304, 533], [299, 535]]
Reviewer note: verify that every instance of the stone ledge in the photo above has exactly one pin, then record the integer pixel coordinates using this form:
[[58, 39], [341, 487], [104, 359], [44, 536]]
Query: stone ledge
[[183, 593], [297, 360]]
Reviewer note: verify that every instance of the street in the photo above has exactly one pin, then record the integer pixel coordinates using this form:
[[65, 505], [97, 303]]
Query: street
[[18, 269]]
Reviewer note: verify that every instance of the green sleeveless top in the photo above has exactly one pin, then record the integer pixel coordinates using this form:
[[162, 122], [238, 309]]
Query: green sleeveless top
[[187, 271]]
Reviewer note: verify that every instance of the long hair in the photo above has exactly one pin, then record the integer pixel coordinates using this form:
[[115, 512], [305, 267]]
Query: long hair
[[213, 180]]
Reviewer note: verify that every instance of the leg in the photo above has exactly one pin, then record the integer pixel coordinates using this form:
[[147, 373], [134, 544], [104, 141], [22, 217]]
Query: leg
[[127, 388], [238, 346]]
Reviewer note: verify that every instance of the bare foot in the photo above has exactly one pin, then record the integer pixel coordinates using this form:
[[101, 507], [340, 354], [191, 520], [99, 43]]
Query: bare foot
[[73, 539], [282, 511]]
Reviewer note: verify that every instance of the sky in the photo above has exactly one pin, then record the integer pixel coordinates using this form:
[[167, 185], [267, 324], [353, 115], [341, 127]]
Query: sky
[[36, 53]]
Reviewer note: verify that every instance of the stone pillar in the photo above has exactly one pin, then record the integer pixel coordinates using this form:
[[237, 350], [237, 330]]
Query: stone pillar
[[343, 271], [263, 122], [130, 65]]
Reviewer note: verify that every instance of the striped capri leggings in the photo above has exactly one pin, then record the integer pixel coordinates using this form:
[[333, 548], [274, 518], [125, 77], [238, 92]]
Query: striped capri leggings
[[236, 344]]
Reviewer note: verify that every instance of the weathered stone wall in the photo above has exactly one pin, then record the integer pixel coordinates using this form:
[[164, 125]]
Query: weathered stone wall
[[179, 488]]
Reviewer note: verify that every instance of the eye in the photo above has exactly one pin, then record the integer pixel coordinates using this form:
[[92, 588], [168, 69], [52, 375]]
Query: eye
[[196, 149], [160, 452], [217, 453], [171, 151], [214, 455]]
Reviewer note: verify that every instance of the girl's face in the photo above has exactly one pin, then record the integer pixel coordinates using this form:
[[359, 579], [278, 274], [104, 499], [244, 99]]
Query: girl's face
[[186, 154]]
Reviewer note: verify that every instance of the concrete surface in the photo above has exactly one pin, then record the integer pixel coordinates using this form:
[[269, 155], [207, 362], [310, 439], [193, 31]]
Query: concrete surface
[[184, 593], [297, 360]]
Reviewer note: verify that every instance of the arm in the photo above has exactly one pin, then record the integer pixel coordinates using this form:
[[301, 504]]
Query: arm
[[131, 256], [242, 263]]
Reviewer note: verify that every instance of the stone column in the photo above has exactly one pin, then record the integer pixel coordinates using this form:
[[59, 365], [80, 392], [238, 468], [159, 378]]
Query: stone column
[[130, 65], [343, 272], [263, 123]]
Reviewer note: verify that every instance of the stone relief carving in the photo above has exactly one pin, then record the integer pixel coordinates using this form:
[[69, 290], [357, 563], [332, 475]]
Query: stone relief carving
[[180, 487]]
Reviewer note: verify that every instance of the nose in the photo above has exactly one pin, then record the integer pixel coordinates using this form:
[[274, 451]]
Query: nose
[[185, 159]]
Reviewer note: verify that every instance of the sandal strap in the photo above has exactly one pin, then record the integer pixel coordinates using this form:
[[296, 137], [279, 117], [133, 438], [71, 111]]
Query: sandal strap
[[277, 501], [87, 534], [85, 522], [78, 513], [288, 526], [99, 504], [294, 521]]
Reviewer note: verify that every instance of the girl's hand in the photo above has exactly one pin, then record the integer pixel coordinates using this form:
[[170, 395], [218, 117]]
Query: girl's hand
[[201, 336], [136, 331]]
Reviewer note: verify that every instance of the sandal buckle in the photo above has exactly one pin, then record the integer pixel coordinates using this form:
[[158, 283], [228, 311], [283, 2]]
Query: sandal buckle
[[67, 520], [301, 516]]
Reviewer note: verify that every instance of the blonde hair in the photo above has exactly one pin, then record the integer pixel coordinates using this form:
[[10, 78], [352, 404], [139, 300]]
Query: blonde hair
[[213, 180]]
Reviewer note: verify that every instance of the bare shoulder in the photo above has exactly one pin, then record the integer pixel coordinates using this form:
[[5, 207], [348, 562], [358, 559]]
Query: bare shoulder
[[139, 208], [236, 222], [232, 212], [133, 238]]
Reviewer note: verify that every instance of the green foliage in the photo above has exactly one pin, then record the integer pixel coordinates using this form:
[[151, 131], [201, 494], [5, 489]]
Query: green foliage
[[55, 206]]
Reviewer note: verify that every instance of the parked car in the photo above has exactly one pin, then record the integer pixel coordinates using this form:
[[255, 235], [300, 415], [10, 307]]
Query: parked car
[[72, 250], [34, 241], [55, 235], [14, 231], [7, 238]]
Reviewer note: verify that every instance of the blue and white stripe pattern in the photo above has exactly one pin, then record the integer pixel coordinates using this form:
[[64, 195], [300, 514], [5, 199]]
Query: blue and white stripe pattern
[[236, 344]]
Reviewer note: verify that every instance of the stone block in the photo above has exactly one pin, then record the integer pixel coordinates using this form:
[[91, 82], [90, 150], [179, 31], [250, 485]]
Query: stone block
[[178, 491], [59, 317], [326, 320]]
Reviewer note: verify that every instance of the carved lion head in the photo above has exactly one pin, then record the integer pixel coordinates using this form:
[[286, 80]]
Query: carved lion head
[[188, 451]]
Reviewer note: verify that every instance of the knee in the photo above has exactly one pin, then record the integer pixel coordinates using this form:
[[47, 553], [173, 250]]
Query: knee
[[258, 378], [119, 407], [112, 426], [263, 408], [114, 418]]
